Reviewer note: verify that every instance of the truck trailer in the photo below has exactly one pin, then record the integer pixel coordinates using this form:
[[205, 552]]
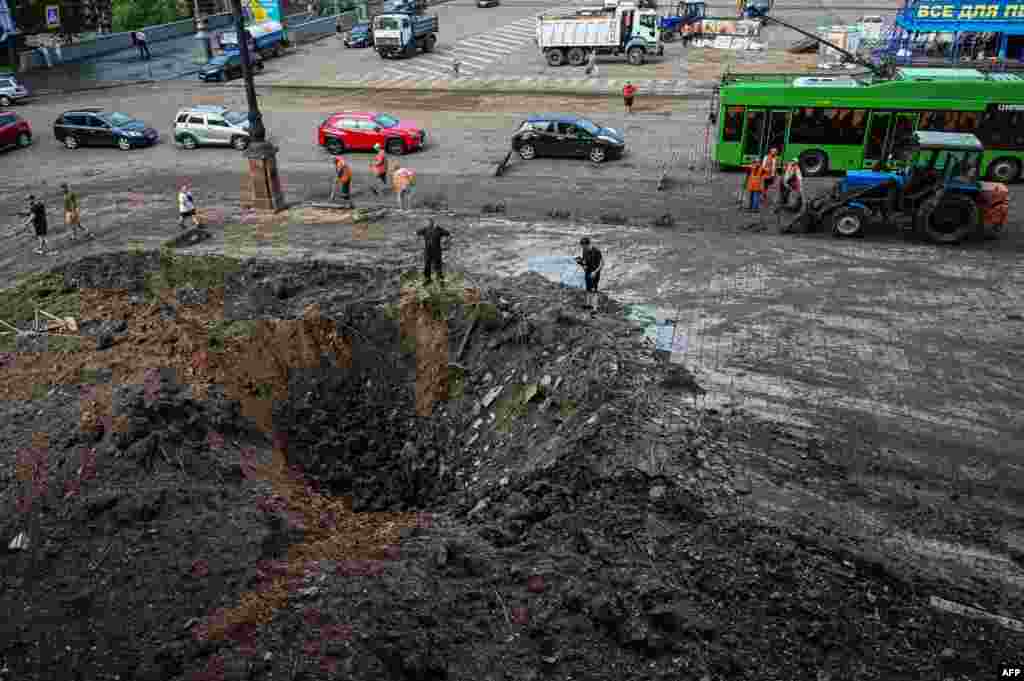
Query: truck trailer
[[401, 35], [620, 28]]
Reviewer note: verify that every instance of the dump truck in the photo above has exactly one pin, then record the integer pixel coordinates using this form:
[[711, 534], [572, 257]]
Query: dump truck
[[619, 28], [686, 14], [403, 29], [935, 192]]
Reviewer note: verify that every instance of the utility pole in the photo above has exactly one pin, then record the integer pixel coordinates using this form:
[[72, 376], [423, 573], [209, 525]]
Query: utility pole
[[264, 182], [201, 34]]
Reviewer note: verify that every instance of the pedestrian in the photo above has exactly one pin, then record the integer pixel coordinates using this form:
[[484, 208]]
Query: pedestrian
[[628, 92], [404, 181], [432, 248], [379, 166], [342, 178], [187, 206], [591, 69], [37, 217], [72, 213], [143, 45], [792, 184], [455, 67], [135, 42], [755, 185], [592, 264], [770, 168]]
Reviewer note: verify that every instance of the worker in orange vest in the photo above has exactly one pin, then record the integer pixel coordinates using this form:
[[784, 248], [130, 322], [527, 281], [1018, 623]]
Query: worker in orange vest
[[379, 166], [755, 184], [628, 92], [770, 167], [343, 178]]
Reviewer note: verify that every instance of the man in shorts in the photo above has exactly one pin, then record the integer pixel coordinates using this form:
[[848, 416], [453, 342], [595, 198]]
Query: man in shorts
[[37, 217], [187, 207], [72, 213]]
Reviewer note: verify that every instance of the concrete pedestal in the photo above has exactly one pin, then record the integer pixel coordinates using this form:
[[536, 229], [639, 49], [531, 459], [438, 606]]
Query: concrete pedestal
[[262, 188]]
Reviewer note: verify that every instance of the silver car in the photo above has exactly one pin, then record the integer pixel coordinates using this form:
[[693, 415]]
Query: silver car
[[211, 125], [11, 90]]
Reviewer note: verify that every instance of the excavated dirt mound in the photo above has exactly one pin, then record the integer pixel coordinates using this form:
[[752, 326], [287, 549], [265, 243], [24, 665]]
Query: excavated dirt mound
[[266, 471]]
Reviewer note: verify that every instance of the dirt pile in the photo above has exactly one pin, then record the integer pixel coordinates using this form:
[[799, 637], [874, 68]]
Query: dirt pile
[[231, 472]]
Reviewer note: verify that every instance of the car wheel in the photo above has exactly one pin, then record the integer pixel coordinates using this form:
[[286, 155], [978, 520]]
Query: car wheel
[[636, 56], [5, 101], [849, 221], [240, 142], [527, 151], [428, 44], [123, 144], [813, 163], [555, 57], [278, 50], [334, 145], [24, 139], [70, 141], [395, 147], [577, 56], [1004, 170], [189, 142], [259, 66], [598, 154]]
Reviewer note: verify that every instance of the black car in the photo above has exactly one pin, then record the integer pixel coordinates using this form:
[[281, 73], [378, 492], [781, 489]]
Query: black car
[[487, 3], [359, 36], [227, 66], [567, 136], [95, 127]]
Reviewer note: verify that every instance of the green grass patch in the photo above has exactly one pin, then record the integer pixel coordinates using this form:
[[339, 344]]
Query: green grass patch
[[264, 391], [515, 405], [39, 291], [224, 329], [439, 297], [566, 408], [456, 383], [202, 271]]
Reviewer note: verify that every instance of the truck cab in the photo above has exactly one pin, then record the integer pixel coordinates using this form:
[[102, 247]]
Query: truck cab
[[401, 35]]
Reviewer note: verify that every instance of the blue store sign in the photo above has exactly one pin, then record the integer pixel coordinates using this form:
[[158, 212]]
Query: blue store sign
[[1006, 16]]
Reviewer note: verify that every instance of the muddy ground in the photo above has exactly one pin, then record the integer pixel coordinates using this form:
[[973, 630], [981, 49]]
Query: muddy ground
[[269, 470]]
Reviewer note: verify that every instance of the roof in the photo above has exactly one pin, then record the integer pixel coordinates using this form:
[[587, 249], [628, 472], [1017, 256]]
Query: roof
[[206, 108], [562, 118], [960, 141], [354, 114], [87, 109], [940, 74]]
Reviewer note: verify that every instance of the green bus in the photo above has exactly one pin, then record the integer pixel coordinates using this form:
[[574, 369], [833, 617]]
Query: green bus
[[851, 123]]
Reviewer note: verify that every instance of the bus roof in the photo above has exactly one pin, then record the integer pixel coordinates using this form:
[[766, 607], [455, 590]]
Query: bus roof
[[959, 141], [938, 74]]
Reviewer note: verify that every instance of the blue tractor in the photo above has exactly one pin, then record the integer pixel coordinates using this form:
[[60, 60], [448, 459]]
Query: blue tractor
[[687, 13], [933, 191]]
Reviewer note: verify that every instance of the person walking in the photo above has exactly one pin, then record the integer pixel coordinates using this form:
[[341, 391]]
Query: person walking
[[432, 249], [135, 42], [342, 178], [755, 185], [770, 168], [140, 37], [187, 206], [591, 69], [72, 213], [379, 166], [628, 92], [37, 218], [592, 263], [404, 181], [792, 185]]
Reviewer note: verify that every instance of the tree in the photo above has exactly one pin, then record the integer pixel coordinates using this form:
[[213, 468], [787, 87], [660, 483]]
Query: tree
[[130, 15]]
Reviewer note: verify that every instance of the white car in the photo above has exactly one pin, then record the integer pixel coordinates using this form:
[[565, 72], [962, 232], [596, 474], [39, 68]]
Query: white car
[[211, 125]]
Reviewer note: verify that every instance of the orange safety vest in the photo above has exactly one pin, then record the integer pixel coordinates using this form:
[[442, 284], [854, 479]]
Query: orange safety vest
[[379, 164], [344, 172], [754, 179]]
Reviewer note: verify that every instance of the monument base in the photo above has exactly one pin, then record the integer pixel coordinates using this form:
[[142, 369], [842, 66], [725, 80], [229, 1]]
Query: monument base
[[262, 188]]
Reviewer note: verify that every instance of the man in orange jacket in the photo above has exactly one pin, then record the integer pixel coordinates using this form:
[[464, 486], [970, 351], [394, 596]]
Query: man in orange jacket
[[628, 92], [379, 166], [342, 179], [755, 184]]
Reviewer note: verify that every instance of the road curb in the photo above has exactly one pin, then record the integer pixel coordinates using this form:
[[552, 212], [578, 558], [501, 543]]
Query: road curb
[[100, 86], [476, 87]]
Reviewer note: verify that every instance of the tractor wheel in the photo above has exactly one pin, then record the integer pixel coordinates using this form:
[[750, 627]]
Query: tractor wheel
[[1004, 170], [953, 220], [813, 163], [849, 221]]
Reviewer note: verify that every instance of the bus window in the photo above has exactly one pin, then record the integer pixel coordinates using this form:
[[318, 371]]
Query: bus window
[[968, 121], [903, 131], [754, 133], [1001, 128], [827, 126], [777, 130], [732, 130], [877, 135]]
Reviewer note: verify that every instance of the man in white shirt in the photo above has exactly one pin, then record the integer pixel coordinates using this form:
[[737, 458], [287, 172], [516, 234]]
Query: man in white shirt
[[186, 206]]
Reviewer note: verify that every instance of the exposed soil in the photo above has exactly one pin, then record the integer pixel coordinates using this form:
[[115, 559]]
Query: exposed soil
[[259, 470]]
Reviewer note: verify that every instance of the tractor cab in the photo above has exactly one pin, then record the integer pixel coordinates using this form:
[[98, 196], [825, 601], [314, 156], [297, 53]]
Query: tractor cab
[[932, 189]]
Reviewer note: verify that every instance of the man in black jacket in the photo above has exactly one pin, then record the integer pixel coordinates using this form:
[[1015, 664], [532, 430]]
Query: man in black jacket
[[432, 235], [37, 218], [592, 264]]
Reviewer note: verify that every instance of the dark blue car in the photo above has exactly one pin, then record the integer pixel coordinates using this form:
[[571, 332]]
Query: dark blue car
[[359, 36], [567, 136], [227, 66]]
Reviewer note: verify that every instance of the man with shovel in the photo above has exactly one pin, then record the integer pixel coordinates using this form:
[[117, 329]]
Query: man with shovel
[[592, 264], [432, 248]]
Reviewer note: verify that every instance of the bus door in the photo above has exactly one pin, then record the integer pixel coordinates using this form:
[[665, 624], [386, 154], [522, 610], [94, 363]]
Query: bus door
[[778, 122], [878, 136], [902, 134], [754, 130]]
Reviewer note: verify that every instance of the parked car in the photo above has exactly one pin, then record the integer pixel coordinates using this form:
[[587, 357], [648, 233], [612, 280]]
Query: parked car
[[359, 36], [11, 90], [487, 3], [227, 66], [359, 131], [14, 130], [211, 125], [96, 127], [567, 136]]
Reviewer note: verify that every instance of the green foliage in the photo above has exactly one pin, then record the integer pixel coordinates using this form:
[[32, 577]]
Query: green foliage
[[438, 297], [515, 405], [224, 329], [456, 383], [204, 271], [264, 391], [44, 291], [566, 408], [131, 15]]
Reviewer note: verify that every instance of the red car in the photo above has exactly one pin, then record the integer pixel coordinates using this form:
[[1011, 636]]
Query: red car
[[14, 130], [359, 131]]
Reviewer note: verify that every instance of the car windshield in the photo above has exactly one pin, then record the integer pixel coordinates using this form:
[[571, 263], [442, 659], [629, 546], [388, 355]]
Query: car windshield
[[387, 24], [386, 121], [236, 117], [119, 119], [221, 60], [589, 126], [360, 28]]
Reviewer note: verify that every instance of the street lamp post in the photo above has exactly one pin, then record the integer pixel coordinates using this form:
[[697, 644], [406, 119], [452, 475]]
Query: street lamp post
[[264, 183], [201, 34]]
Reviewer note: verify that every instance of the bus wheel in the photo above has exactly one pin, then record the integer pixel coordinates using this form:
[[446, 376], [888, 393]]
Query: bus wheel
[[813, 163], [1004, 170]]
